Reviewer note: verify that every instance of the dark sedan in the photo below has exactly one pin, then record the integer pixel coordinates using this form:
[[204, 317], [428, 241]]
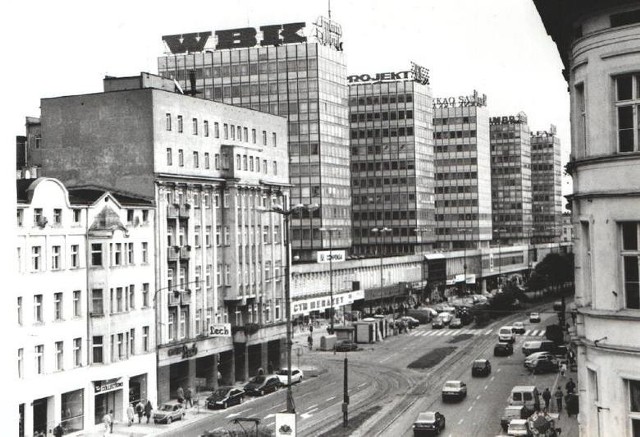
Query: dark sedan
[[481, 368], [261, 385], [428, 422], [437, 323], [345, 346], [503, 349], [411, 322], [223, 397]]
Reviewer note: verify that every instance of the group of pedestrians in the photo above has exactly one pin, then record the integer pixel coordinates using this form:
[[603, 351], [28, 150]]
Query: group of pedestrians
[[558, 395], [140, 409]]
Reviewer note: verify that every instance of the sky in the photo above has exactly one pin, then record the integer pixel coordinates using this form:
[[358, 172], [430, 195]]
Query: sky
[[498, 47]]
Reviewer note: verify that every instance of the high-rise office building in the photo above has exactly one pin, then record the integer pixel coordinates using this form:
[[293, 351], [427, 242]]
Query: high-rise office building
[[511, 179], [280, 70], [391, 162], [546, 183], [462, 172]]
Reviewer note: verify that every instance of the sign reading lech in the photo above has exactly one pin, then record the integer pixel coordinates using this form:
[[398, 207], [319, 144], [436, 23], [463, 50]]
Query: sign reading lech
[[220, 330], [326, 256], [461, 101], [271, 35], [106, 386]]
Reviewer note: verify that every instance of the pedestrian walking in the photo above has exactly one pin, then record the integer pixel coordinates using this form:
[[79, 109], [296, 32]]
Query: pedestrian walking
[[107, 420], [546, 396], [270, 368], [188, 397], [58, 430], [563, 369], [130, 414], [140, 411], [310, 341], [148, 408], [570, 386], [310, 327], [180, 393], [558, 395]]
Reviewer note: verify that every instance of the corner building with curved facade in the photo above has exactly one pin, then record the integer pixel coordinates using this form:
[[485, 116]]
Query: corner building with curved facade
[[599, 43]]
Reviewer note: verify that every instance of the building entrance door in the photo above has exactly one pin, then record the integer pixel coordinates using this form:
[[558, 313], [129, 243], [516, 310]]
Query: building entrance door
[[40, 415]]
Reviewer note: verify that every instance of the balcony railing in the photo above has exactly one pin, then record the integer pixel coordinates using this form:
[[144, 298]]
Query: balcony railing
[[185, 252], [184, 210], [173, 253], [173, 211]]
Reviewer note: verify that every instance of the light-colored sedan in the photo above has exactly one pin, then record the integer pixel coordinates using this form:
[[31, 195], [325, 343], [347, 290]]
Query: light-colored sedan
[[296, 375], [168, 412]]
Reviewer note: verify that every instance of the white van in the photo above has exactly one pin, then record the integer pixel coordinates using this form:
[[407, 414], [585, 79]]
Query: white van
[[525, 395], [505, 334]]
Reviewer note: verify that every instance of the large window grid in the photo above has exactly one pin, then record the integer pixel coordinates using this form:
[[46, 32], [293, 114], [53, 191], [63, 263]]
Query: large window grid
[[627, 103], [631, 261]]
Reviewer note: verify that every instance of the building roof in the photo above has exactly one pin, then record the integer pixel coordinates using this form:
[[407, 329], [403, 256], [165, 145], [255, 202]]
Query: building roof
[[88, 194], [22, 186]]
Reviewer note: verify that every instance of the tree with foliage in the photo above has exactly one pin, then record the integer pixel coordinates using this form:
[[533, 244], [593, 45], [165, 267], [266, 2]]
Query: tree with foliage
[[556, 269], [554, 333], [537, 283]]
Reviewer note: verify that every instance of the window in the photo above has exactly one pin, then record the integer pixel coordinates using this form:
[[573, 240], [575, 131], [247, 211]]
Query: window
[[216, 129], [264, 137], [206, 160], [253, 136], [627, 105], [239, 133], [132, 341], [145, 252], [130, 258], [246, 135], [77, 352], [57, 216], [20, 310], [20, 216], [275, 167], [97, 302], [216, 161], [20, 363], [37, 308], [145, 339], [207, 236], [132, 297], [227, 274], [97, 349], [168, 121], [206, 128], [226, 235], [145, 216], [76, 215], [96, 254], [39, 355], [57, 306], [59, 356], [77, 308], [183, 323], [130, 214], [145, 295], [196, 160], [180, 123], [218, 232], [219, 274], [119, 307], [169, 156], [37, 216], [55, 257], [194, 128], [170, 326], [208, 276], [631, 260], [180, 158], [225, 129], [121, 346], [75, 256], [36, 263], [274, 138], [117, 254]]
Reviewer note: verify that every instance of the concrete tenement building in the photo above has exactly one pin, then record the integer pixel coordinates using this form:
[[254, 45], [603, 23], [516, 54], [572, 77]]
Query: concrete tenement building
[[288, 70], [86, 323], [599, 44], [462, 172], [511, 179], [391, 163], [211, 169], [546, 185]]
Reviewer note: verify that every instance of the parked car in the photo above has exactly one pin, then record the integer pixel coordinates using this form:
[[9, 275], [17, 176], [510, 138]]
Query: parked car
[[534, 318], [224, 397], [505, 333], [283, 375], [512, 412], [518, 327], [345, 346], [544, 364], [465, 316], [446, 317], [529, 360], [454, 390], [262, 384], [411, 322], [480, 367], [437, 323], [533, 346], [428, 422], [168, 412], [518, 427], [502, 349], [455, 323]]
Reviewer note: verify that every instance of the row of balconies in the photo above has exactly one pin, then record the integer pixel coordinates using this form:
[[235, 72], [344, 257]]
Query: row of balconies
[[179, 297], [177, 253], [177, 210]]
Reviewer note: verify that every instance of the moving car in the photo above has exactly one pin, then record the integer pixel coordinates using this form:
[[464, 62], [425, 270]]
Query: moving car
[[505, 333], [481, 367], [512, 412], [518, 427], [502, 349], [518, 328], [411, 322], [283, 375], [345, 346], [437, 323], [262, 384], [455, 323], [428, 422], [168, 412], [534, 318], [454, 390], [446, 317], [223, 397]]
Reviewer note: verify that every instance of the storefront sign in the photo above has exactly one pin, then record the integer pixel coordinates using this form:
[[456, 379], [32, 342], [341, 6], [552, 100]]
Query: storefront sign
[[106, 386], [326, 256], [417, 73], [328, 33], [220, 330], [461, 101], [511, 119], [184, 350]]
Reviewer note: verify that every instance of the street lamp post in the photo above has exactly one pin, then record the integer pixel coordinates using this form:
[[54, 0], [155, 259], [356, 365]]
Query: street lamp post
[[499, 231], [286, 215], [330, 231], [380, 233]]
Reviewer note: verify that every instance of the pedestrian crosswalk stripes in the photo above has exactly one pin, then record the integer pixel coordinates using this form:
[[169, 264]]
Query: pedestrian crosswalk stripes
[[427, 332]]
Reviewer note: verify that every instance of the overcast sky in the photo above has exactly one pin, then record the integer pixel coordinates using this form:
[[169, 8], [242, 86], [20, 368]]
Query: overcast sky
[[498, 47]]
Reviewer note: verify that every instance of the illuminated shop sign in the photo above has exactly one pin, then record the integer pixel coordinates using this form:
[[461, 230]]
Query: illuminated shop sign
[[510, 119], [461, 101], [271, 35], [107, 386], [325, 256], [417, 73], [220, 330]]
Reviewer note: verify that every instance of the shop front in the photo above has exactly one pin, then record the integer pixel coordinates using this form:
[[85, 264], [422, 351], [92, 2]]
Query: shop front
[[72, 411], [138, 389], [108, 397]]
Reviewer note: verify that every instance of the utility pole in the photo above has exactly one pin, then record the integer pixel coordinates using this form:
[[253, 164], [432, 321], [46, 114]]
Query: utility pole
[[345, 400]]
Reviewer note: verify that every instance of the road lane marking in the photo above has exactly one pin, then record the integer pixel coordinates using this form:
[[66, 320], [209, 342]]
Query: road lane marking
[[486, 387], [493, 377], [527, 332], [363, 384], [460, 421], [477, 397], [499, 369], [470, 408], [331, 398], [488, 332], [385, 359], [312, 407], [236, 414], [305, 415], [268, 416]]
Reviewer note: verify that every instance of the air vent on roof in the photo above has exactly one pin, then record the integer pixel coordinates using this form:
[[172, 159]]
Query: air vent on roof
[[625, 18]]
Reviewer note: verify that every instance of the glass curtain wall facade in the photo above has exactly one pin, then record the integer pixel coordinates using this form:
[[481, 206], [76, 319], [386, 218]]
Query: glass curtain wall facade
[[392, 167], [511, 179], [546, 175], [306, 83], [463, 177]]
